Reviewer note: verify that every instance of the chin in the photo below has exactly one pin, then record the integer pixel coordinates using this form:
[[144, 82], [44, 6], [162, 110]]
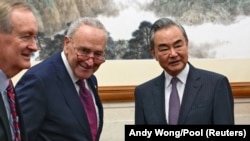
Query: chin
[[26, 65]]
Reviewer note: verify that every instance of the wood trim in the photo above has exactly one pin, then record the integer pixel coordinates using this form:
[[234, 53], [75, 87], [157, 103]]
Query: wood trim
[[241, 89], [126, 93]]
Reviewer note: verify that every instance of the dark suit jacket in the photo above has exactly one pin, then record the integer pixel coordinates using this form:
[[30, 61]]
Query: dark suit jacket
[[51, 106], [207, 99], [5, 133]]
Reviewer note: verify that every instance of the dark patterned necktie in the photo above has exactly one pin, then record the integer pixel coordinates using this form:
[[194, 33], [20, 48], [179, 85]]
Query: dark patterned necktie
[[174, 103], [11, 99], [89, 107]]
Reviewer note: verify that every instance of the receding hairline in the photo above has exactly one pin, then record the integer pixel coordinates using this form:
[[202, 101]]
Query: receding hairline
[[85, 21]]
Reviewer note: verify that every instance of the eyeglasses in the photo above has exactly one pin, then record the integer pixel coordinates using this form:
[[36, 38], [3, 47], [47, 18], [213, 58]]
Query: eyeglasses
[[84, 54]]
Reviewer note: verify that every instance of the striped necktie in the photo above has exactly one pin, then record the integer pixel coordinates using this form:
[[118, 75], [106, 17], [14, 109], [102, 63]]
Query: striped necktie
[[11, 99]]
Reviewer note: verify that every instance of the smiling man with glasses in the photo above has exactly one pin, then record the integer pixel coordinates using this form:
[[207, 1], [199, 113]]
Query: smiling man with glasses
[[84, 53], [51, 93]]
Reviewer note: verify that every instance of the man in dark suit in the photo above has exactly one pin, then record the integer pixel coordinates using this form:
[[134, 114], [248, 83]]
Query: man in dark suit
[[203, 97], [48, 92], [18, 29]]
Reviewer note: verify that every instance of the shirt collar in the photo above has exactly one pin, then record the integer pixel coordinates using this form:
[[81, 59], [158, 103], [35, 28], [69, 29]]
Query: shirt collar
[[182, 76], [69, 70], [3, 81]]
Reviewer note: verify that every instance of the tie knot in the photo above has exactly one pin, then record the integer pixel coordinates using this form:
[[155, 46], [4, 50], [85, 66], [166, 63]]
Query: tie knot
[[80, 83], [174, 80], [10, 85]]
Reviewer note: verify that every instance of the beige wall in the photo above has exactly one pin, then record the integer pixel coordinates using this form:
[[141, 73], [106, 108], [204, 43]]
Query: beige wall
[[127, 72], [134, 72]]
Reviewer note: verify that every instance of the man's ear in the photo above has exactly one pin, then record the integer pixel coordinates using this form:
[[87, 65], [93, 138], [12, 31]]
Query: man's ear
[[153, 53], [66, 44], [66, 40]]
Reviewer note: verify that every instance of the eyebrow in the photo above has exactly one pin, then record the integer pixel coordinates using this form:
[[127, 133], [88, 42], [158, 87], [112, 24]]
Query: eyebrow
[[88, 49], [178, 41], [167, 45]]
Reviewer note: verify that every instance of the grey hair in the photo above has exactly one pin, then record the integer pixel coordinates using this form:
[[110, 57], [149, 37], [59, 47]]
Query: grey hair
[[164, 23], [6, 8], [84, 21]]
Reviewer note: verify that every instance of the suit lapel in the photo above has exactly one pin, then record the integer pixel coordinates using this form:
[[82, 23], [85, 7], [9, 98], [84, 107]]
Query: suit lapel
[[192, 87], [158, 95], [3, 119], [70, 93], [93, 85]]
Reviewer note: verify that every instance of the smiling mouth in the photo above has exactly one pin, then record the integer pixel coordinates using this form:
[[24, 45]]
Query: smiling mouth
[[84, 66], [174, 62], [27, 56]]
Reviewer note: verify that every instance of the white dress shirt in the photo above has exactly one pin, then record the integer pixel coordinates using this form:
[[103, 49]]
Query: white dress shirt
[[182, 76]]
